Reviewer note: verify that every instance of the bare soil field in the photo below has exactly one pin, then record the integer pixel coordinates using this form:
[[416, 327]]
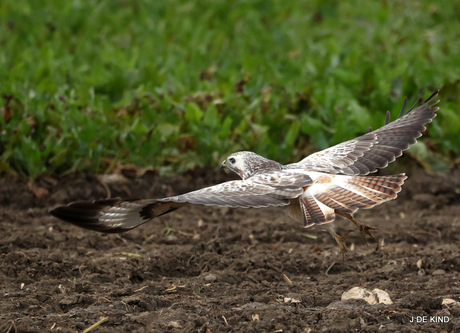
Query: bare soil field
[[204, 269]]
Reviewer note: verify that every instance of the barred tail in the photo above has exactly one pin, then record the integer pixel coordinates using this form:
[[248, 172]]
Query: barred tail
[[113, 215], [347, 194]]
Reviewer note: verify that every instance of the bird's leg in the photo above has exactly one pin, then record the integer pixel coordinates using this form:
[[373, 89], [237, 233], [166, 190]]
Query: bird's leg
[[339, 239], [364, 229]]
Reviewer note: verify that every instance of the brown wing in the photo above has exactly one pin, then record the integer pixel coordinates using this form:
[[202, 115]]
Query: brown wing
[[374, 150], [117, 215]]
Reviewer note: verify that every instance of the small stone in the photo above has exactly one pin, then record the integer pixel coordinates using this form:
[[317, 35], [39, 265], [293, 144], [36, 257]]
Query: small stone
[[449, 302], [210, 278], [419, 264], [376, 296], [174, 324], [438, 272], [359, 293], [291, 300], [382, 296]]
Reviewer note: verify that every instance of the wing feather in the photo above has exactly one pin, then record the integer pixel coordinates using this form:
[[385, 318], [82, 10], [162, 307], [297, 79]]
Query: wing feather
[[116, 215], [263, 190], [374, 150]]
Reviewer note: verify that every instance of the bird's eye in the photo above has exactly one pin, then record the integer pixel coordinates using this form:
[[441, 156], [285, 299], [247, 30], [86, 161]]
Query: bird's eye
[[232, 160]]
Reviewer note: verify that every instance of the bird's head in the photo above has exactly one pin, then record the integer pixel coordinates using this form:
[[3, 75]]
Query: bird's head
[[246, 163]]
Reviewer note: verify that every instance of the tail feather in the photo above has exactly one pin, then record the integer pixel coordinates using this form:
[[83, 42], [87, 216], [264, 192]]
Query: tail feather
[[362, 192], [113, 215], [348, 194], [345, 200], [315, 212]]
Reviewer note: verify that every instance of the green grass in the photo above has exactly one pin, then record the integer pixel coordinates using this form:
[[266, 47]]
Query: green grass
[[177, 84]]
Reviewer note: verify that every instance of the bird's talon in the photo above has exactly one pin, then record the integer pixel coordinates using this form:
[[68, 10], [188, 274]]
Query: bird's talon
[[366, 231], [341, 243]]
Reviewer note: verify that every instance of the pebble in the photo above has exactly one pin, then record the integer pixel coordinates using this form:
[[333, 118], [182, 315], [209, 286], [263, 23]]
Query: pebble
[[382, 296], [291, 300], [438, 272], [375, 296], [449, 302], [210, 278], [359, 293]]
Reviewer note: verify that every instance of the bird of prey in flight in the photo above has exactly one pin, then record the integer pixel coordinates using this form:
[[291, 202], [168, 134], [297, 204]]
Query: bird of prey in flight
[[324, 184]]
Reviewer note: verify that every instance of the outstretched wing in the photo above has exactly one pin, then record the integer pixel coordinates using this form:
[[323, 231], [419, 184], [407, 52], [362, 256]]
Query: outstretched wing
[[116, 215], [373, 150]]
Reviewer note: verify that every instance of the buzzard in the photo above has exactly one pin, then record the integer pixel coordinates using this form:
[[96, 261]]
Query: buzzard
[[325, 184]]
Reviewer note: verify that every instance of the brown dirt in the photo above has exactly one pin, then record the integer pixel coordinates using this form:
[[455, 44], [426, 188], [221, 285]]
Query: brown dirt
[[221, 270]]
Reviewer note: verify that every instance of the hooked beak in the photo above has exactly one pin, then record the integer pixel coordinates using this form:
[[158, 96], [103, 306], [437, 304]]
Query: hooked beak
[[224, 166]]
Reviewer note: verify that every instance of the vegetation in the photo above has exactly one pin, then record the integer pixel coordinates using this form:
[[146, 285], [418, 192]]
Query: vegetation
[[85, 85]]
